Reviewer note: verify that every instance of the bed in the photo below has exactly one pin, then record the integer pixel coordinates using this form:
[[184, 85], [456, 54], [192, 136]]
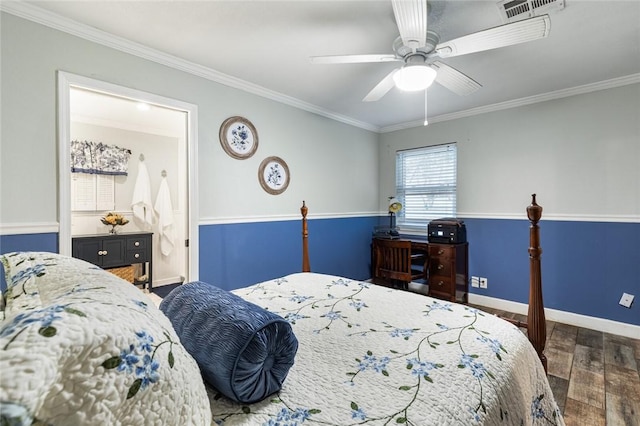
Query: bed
[[363, 354], [373, 355]]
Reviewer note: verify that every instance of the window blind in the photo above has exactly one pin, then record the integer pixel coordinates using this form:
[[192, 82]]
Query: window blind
[[426, 180]]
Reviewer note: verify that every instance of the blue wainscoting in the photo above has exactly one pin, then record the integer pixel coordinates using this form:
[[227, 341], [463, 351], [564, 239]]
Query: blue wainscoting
[[241, 254], [586, 266], [26, 242]]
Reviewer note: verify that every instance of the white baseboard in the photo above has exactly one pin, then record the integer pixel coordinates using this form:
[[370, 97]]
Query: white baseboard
[[593, 323], [167, 281]]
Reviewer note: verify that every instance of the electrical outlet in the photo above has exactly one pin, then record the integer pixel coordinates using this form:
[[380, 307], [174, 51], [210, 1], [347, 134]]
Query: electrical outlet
[[475, 282], [483, 282], [626, 300]]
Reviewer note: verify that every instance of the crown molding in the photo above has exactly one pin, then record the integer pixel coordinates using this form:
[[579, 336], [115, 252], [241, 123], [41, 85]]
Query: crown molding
[[55, 21], [549, 96]]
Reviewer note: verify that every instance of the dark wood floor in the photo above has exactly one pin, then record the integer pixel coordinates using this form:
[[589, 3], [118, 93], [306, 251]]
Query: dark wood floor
[[594, 375]]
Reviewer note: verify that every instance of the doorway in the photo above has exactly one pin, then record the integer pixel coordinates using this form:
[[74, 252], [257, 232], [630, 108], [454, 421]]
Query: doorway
[[82, 106]]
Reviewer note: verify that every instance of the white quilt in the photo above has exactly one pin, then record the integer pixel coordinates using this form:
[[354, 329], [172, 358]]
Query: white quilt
[[376, 356], [80, 346]]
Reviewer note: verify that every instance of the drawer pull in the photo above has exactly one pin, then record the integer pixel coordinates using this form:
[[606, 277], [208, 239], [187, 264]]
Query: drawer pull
[[137, 255], [440, 267], [441, 251], [440, 283], [137, 243]]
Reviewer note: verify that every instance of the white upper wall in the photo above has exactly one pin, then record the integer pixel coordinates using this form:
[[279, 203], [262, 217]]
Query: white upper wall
[[580, 154], [333, 166]]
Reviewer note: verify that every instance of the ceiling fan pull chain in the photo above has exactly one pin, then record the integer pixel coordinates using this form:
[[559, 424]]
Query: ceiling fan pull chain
[[426, 122]]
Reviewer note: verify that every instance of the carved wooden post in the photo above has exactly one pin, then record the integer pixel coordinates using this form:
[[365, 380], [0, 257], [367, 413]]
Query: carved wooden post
[[305, 235], [536, 322]]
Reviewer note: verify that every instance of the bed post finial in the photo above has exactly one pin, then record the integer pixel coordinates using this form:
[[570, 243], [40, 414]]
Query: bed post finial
[[305, 236], [534, 211], [536, 322]]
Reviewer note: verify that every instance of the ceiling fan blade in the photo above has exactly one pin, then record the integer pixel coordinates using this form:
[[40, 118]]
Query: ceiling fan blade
[[381, 88], [411, 17], [454, 80], [492, 38], [353, 59]]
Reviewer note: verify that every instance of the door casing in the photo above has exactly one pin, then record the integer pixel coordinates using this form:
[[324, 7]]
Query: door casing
[[65, 82]]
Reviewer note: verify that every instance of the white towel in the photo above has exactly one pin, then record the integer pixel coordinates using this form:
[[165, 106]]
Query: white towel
[[164, 210], [141, 202]]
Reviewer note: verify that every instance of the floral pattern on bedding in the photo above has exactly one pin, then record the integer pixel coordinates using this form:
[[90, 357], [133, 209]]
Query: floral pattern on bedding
[[372, 355], [82, 346]]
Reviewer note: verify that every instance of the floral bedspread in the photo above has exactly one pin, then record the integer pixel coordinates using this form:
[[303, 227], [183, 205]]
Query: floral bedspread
[[80, 346], [372, 355]]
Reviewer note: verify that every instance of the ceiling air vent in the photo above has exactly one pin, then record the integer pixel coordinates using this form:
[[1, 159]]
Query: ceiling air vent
[[515, 10]]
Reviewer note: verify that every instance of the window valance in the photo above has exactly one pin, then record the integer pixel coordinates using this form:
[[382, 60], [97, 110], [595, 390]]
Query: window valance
[[99, 158]]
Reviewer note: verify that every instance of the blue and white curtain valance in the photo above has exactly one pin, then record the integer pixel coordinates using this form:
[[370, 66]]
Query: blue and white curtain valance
[[99, 158]]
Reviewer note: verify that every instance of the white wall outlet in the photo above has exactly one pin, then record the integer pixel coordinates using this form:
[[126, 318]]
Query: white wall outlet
[[626, 300], [483, 282], [475, 282]]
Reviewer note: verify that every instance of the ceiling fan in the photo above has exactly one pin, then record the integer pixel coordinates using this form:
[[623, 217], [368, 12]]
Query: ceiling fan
[[420, 49]]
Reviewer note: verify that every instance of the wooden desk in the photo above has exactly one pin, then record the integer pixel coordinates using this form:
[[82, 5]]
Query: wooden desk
[[445, 268]]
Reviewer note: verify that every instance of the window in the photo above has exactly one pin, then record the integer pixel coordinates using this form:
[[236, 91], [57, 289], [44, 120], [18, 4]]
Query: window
[[426, 185], [92, 192]]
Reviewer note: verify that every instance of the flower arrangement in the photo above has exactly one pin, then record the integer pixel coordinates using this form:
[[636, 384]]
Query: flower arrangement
[[114, 219]]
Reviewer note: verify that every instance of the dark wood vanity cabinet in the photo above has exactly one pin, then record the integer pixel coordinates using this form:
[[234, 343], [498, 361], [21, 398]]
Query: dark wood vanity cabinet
[[113, 251]]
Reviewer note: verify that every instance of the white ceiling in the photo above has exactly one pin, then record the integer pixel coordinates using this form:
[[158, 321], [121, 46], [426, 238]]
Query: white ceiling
[[87, 106], [267, 44]]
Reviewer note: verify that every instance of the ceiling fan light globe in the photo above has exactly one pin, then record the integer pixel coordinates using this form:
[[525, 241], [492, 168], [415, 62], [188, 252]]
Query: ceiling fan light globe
[[414, 78]]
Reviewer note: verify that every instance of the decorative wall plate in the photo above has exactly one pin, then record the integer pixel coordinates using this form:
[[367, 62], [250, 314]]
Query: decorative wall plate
[[273, 175], [238, 137]]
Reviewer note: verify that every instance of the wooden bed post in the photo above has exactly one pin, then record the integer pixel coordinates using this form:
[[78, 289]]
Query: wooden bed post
[[536, 322], [305, 238]]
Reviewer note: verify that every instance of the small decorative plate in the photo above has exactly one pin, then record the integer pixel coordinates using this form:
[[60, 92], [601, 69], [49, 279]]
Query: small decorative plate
[[273, 175], [238, 137]]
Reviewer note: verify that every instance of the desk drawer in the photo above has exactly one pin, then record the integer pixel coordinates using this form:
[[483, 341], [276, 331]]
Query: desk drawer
[[442, 251], [137, 256], [440, 287], [440, 267], [137, 243]]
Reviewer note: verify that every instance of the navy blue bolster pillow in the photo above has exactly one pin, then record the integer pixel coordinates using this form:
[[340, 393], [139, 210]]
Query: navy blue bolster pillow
[[244, 351]]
